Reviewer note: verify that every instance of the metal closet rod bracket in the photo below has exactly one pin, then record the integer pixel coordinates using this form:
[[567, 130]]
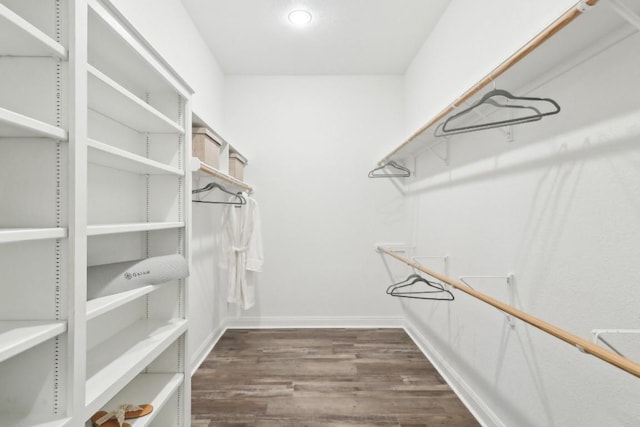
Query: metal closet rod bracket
[[399, 248], [510, 280], [444, 157], [584, 6], [506, 130], [444, 258], [598, 332]]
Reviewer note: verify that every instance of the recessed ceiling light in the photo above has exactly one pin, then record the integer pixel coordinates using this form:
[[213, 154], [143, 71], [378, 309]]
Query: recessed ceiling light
[[300, 17]]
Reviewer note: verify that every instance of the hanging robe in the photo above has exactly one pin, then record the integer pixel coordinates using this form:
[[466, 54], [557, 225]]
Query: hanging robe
[[241, 251]]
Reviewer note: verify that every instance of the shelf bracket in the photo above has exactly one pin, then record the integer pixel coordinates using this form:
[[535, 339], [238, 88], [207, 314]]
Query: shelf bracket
[[510, 280], [584, 6], [506, 130], [598, 332], [444, 157]]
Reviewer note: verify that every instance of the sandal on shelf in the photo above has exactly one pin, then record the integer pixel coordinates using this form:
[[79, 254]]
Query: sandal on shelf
[[123, 412]]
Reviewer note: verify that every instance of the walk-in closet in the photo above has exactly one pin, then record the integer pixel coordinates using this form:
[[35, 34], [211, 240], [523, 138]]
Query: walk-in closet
[[319, 213]]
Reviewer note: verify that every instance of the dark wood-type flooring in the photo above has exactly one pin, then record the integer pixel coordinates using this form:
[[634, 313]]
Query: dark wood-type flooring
[[322, 377]]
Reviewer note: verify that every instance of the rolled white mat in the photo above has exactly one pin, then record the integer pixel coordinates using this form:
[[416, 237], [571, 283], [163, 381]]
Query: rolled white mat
[[109, 279]]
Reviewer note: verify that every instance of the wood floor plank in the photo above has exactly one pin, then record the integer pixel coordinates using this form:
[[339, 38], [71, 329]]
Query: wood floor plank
[[322, 377]]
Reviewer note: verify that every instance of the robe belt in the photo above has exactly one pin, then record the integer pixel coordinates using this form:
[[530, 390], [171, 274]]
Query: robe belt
[[239, 249]]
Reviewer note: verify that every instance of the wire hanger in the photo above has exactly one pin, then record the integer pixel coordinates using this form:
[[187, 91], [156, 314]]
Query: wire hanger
[[403, 172], [428, 294], [212, 186], [531, 112]]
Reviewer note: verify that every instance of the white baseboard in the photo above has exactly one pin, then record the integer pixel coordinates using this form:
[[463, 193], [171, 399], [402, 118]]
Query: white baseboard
[[206, 347], [287, 322], [481, 411]]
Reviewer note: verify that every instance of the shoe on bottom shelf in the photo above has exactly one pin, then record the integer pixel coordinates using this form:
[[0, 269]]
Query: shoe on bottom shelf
[[123, 412]]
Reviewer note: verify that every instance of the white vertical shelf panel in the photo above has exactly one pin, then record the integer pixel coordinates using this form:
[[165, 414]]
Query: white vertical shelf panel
[[97, 230], [13, 124], [8, 235], [152, 389], [110, 99], [18, 37], [107, 155], [19, 336], [117, 361]]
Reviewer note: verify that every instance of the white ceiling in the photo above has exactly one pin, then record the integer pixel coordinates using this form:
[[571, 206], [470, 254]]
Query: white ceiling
[[344, 37]]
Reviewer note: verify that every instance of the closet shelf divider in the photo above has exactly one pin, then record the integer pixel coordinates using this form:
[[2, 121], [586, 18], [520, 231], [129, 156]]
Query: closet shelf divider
[[17, 336], [13, 124], [116, 158], [19, 37]]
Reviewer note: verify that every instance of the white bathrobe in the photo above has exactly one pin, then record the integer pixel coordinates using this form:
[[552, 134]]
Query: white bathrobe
[[241, 251]]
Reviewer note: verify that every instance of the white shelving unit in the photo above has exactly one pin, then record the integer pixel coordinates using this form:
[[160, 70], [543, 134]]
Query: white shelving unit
[[34, 221], [94, 160], [138, 206]]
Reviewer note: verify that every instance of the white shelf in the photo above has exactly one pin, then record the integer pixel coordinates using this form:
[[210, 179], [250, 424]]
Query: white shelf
[[19, 336], [114, 45], [17, 125], [152, 389], [110, 99], [97, 230], [98, 306], [18, 420], [116, 158], [114, 363], [8, 235], [18, 37], [204, 169]]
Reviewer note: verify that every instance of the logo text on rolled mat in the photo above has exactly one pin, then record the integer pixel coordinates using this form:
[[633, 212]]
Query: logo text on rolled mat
[[136, 274]]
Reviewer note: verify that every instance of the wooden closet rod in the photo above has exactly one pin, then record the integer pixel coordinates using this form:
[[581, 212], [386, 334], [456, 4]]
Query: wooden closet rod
[[231, 180], [582, 344], [546, 34]]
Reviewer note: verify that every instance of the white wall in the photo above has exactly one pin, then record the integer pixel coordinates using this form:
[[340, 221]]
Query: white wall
[[311, 142], [558, 208]]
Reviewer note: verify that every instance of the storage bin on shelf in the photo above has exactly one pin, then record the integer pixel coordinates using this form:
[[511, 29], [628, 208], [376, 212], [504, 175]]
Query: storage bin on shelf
[[206, 147], [236, 165]]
